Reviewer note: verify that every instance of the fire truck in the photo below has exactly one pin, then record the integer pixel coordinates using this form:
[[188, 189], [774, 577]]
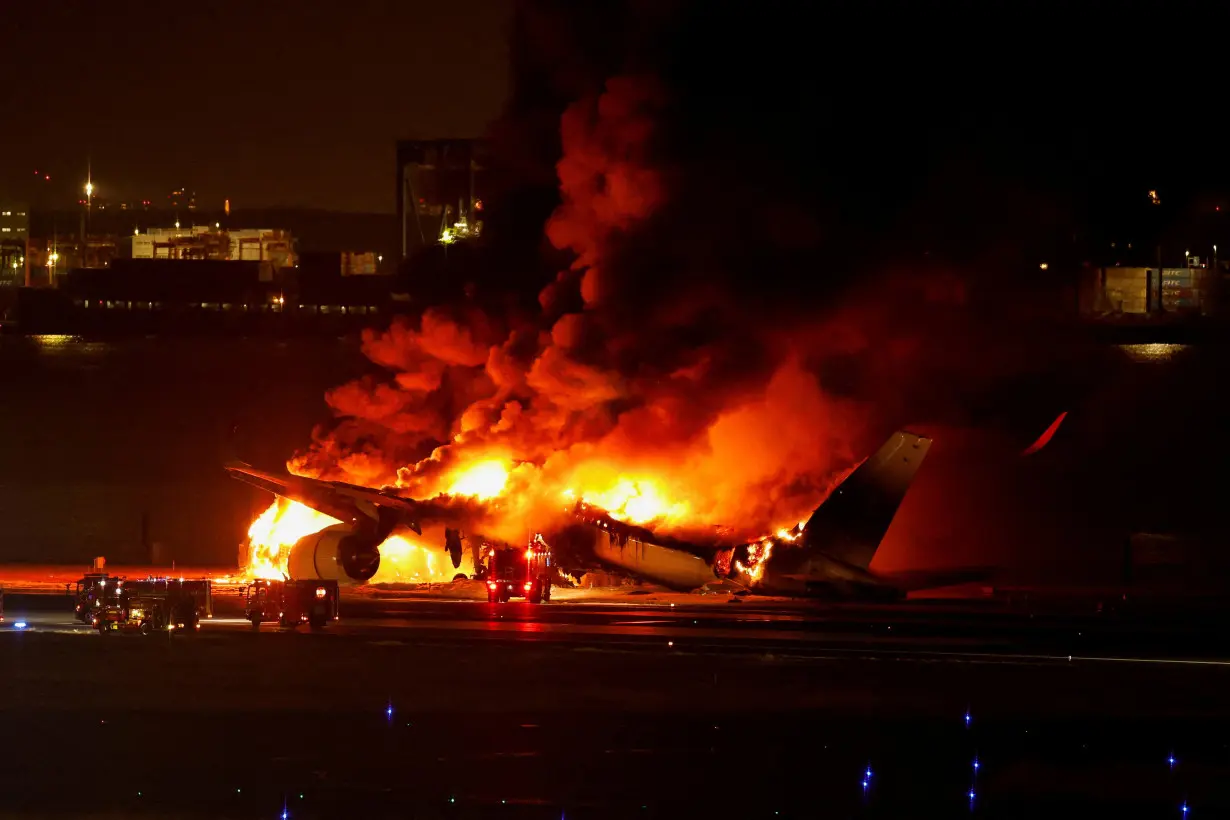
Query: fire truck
[[90, 590], [291, 603], [97, 588], [152, 605], [514, 573]]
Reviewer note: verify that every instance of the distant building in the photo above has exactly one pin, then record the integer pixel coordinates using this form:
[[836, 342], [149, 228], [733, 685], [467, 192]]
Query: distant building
[[273, 249], [1143, 291], [440, 185], [14, 241]]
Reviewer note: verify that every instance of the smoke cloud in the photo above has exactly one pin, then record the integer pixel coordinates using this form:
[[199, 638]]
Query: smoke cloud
[[724, 334]]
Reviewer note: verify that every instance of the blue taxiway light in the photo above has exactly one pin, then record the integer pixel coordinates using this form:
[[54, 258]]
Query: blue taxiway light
[[19, 625], [1183, 809]]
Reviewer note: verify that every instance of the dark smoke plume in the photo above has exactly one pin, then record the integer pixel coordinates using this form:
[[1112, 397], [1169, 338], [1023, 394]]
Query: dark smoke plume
[[725, 224]]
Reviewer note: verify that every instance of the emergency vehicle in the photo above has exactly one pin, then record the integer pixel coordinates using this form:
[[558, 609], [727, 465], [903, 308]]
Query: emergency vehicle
[[151, 605], [291, 603], [513, 573], [89, 590]]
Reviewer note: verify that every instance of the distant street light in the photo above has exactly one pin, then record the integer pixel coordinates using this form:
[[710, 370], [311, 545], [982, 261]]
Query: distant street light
[[89, 190], [1043, 266]]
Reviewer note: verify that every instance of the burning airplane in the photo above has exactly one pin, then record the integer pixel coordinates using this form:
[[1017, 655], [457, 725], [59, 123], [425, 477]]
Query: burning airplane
[[828, 554], [662, 384]]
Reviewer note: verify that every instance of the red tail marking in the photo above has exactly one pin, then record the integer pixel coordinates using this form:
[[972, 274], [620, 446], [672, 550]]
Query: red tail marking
[[1046, 436]]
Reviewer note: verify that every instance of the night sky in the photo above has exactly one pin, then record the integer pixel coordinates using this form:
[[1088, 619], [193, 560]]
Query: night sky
[[265, 102], [892, 118]]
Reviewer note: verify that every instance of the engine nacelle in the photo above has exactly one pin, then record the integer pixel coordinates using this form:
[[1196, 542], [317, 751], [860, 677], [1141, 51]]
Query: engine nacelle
[[335, 553]]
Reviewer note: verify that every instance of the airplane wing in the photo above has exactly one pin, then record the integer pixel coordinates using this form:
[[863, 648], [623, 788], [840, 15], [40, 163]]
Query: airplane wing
[[348, 503]]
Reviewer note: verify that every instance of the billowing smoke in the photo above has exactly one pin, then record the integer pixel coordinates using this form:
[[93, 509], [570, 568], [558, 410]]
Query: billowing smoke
[[722, 343]]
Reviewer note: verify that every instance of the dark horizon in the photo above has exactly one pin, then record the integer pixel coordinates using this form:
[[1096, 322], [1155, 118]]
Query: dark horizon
[[917, 142], [279, 107]]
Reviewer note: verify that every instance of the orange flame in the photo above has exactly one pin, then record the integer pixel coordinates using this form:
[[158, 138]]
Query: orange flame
[[757, 556], [484, 480], [409, 558], [405, 561], [402, 558], [636, 502], [275, 531]]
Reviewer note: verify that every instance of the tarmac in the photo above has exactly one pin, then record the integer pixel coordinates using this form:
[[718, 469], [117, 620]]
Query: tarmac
[[588, 708]]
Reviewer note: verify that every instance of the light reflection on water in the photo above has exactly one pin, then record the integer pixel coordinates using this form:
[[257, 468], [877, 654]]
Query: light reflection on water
[[54, 339], [70, 347], [1155, 352]]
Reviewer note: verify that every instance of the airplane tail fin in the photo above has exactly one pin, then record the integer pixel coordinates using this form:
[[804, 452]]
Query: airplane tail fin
[[852, 521]]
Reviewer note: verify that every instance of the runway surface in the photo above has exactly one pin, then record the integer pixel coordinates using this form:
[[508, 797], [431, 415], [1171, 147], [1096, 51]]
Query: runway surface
[[952, 630], [463, 709]]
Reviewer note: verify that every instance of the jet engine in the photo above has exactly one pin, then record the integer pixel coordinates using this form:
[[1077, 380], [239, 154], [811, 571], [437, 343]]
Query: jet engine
[[336, 553]]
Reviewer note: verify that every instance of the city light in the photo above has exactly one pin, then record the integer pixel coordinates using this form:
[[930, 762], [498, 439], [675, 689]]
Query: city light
[[89, 190], [1043, 266]]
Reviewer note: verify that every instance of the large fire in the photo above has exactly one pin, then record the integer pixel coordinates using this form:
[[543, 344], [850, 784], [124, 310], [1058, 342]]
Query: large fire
[[275, 531], [645, 386], [406, 557], [403, 557], [483, 481]]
